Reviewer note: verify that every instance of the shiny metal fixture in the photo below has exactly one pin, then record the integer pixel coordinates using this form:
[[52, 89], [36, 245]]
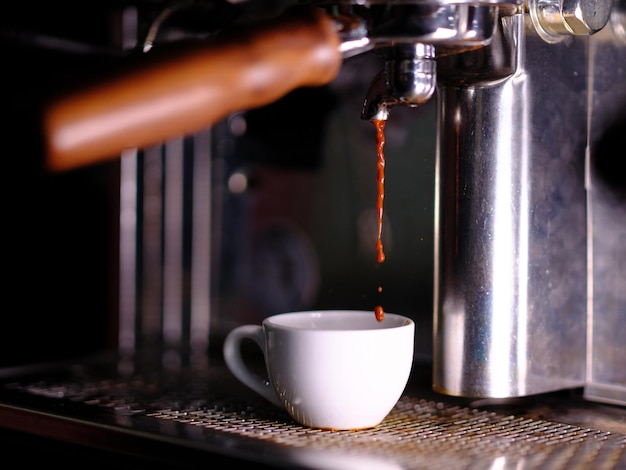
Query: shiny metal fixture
[[408, 78], [555, 19], [407, 35], [529, 261]]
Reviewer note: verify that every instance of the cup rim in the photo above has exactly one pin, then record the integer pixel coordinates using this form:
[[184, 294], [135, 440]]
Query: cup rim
[[390, 321]]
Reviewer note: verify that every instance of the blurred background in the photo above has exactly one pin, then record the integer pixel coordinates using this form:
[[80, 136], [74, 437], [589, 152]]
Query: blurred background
[[276, 205]]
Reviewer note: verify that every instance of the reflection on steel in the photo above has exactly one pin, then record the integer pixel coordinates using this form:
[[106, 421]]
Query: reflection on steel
[[511, 274], [529, 255], [441, 23], [407, 34], [408, 78], [555, 19], [606, 374]]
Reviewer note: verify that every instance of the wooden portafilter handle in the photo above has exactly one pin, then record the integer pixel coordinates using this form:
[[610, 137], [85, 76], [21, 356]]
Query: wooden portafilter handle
[[176, 95]]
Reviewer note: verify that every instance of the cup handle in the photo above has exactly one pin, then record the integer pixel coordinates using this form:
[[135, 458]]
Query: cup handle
[[234, 361]]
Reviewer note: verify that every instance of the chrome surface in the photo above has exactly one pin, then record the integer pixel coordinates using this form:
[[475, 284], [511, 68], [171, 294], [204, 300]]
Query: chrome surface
[[510, 267], [406, 34], [512, 275], [408, 78], [529, 252], [606, 373], [441, 23], [556, 18]]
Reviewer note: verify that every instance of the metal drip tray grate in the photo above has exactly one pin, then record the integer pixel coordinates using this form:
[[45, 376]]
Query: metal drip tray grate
[[426, 434], [207, 409]]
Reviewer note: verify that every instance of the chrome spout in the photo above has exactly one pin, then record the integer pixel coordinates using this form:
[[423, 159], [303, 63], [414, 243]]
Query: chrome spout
[[406, 34], [409, 77]]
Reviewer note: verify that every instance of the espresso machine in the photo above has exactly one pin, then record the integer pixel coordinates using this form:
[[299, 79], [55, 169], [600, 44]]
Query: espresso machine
[[520, 358], [528, 264]]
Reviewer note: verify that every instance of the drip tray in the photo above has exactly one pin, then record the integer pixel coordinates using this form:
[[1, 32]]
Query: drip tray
[[185, 413]]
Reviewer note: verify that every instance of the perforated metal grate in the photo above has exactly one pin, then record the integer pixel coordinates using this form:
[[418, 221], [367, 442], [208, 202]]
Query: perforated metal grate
[[425, 434], [200, 405]]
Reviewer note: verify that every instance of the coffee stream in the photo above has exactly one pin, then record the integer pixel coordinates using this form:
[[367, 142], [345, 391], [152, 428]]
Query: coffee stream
[[380, 254]]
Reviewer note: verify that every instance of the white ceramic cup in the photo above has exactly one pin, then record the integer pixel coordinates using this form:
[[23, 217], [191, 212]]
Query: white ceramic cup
[[330, 369]]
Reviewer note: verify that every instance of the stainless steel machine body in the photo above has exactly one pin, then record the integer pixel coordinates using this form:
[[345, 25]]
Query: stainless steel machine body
[[530, 265]]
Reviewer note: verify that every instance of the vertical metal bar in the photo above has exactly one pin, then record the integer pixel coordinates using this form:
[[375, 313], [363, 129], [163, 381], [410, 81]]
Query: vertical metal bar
[[173, 242], [128, 252], [151, 246], [127, 302], [511, 263], [201, 243]]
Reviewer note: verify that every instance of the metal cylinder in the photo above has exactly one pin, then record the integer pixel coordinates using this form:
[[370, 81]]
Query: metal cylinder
[[510, 267]]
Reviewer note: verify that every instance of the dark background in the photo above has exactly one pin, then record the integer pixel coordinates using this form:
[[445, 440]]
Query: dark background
[[59, 229], [62, 228]]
